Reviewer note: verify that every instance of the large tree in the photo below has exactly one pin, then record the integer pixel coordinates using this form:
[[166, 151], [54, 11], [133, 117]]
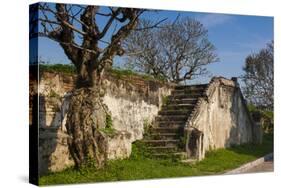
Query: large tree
[[258, 77], [90, 36], [177, 51]]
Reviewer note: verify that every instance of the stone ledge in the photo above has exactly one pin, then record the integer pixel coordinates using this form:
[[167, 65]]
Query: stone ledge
[[249, 165]]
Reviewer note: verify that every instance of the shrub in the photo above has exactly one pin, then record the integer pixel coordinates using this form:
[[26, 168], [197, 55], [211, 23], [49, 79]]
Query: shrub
[[264, 116]]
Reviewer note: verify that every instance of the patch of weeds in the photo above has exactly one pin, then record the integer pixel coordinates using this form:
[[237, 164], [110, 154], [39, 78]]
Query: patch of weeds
[[265, 116], [183, 140], [88, 165], [140, 151], [147, 127], [121, 73], [108, 121], [161, 78], [157, 136], [175, 159], [53, 94], [109, 130], [68, 69], [165, 100]]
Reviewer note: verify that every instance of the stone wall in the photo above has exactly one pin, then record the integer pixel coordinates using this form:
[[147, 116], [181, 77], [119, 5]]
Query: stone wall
[[53, 150], [220, 119], [132, 101]]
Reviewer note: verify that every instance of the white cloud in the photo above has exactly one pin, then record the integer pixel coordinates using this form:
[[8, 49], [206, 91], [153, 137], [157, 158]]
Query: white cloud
[[211, 20]]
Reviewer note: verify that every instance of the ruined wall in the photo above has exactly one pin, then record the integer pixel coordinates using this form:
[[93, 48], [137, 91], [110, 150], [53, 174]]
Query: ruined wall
[[53, 150], [222, 117], [131, 100]]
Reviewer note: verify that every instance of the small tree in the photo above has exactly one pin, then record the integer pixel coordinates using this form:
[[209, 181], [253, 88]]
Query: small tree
[[176, 51], [258, 78]]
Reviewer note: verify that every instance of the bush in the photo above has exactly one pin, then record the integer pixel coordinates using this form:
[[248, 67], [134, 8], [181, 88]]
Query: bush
[[140, 151], [265, 117]]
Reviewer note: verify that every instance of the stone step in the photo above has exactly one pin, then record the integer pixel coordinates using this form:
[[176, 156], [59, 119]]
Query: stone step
[[183, 101], [190, 86], [175, 112], [177, 155], [178, 107], [174, 142], [163, 149], [189, 161], [187, 91], [161, 136], [167, 117], [170, 124], [166, 130], [185, 96]]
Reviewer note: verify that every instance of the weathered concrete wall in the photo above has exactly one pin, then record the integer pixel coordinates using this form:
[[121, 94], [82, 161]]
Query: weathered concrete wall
[[53, 150], [221, 117], [54, 154], [119, 145], [132, 97], [131, 101]]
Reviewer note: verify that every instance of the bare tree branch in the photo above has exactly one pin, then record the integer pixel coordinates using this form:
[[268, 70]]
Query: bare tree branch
[[177, 50], [258, 78], [156, 25], [109, 22]]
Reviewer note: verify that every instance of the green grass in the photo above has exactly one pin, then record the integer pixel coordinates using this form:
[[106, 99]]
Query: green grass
[[58, 68], [140, 166], [124, 73], [108, 131], [69, 69]]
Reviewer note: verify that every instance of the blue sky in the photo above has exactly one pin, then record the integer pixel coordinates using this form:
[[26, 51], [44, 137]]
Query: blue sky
[[234, 36]]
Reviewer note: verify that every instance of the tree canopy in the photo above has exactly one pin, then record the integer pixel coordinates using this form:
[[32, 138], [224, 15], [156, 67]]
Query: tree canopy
[[176, 51], [259, 76]]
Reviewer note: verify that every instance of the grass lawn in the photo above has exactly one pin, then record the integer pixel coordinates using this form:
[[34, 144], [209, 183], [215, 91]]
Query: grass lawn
[[139, 166]]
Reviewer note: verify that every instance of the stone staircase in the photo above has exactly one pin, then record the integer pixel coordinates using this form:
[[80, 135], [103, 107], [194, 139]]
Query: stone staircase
[[165, 139]]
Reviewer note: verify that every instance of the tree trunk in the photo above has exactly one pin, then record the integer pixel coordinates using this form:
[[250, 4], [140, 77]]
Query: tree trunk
[[86, 114], [86, 108]]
